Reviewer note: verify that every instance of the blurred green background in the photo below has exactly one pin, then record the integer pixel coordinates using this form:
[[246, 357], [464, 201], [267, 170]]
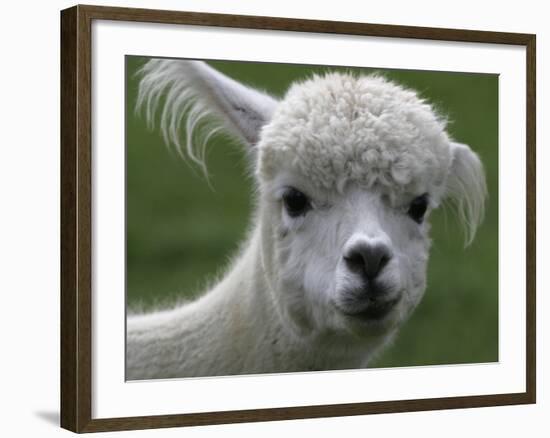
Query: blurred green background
[[181, 232]]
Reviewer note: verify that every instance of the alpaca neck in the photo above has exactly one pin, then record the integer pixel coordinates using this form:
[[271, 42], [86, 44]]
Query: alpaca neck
[[222, 332]]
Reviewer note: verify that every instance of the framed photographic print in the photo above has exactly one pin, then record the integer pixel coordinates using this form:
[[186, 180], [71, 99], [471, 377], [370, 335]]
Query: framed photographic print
[[267, 218]]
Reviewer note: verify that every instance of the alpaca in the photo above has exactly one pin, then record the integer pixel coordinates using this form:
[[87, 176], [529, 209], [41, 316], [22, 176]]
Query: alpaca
[[347, 170]]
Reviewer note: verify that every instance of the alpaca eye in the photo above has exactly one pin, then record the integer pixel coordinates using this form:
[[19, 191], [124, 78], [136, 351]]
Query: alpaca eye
[[418, 208], [296, 203]]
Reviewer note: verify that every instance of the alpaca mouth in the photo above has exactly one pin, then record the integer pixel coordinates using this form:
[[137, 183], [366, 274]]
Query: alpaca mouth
[[377, 309], [373, 309], [374, 301]]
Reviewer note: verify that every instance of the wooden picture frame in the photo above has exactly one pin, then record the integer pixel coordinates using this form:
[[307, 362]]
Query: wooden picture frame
[[76, 217]]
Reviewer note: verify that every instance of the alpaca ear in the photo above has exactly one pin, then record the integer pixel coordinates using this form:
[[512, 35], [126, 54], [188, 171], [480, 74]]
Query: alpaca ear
[[466, 186], [206, 98]]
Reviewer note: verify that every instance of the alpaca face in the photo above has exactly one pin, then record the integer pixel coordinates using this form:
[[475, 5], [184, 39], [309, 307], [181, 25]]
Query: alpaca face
[[349, 260], [349, 170]]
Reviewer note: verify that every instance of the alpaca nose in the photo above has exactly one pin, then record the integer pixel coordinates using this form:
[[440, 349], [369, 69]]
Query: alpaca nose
[[368, 259]]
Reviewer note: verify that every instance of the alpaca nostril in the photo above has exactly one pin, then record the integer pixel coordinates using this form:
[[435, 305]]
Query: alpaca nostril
[[367, 259], [383, 261], [355, 262]]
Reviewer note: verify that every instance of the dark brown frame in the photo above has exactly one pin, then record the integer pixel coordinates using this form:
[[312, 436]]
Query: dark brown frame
[[76, 236]]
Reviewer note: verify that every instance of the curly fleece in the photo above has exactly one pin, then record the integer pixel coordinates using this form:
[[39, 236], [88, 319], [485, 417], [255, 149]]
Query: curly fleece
[[342, 127]]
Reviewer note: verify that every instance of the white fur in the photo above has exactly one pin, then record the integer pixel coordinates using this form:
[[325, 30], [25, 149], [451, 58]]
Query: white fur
[[361, 148], [200, 92]]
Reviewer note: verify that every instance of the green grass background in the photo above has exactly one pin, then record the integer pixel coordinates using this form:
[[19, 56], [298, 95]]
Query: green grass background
[[181, 231]]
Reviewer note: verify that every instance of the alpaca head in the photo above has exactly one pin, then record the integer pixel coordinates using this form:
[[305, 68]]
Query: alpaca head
[[348, 170]]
